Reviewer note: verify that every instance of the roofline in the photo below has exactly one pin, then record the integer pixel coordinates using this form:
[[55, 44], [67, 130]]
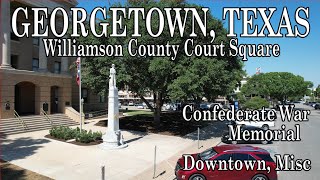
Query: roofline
[[72, 2]]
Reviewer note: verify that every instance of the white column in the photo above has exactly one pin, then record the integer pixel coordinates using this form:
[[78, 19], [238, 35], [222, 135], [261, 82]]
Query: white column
[[5, 30], [113, 138], [43, 61]]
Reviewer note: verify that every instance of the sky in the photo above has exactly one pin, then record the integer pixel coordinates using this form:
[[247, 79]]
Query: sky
[[298, 55]]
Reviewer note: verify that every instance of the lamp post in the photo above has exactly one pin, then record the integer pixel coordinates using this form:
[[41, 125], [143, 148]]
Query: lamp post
[[81, 112]]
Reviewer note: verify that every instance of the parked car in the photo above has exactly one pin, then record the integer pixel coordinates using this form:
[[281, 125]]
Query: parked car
[[278, 107], [312, 104], [225, 152], [265, 125], [225, 106], [204, 107], [225, 136], [317, 106], [170, 106], [131, 103], [211, 106], [139, 106]]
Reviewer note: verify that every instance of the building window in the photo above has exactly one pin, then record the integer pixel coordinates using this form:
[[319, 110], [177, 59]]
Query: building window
[[102, 99], [84, 95], [35, 41], [57, 67], [35, 64]]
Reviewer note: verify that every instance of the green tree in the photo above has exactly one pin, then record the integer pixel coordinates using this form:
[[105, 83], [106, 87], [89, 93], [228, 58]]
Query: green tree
[[256, 103], [317, 92], [277, 85], [180, 79]]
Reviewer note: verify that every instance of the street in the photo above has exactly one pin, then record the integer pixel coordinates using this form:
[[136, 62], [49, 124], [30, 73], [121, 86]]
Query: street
[[307, 148]]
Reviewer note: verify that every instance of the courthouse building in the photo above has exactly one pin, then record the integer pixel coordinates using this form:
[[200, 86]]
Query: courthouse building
[[29, 79]]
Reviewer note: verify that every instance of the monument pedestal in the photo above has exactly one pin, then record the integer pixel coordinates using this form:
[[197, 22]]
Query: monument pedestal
[[113, 138]]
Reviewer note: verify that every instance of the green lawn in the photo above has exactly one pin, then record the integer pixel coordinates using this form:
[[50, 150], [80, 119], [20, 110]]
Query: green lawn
[[137, 112]]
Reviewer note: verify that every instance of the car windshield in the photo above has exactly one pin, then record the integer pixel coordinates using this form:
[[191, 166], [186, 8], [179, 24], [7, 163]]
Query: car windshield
[[207, 154]]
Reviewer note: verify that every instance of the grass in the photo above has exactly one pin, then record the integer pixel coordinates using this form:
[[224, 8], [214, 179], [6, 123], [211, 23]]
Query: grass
[[172, 123], [10, 171], [138, 112]]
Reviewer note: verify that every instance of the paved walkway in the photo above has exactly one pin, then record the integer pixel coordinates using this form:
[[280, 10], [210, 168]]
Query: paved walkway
[[165, 169], [61, 160]]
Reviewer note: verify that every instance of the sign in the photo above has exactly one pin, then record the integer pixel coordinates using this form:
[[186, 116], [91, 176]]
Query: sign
[[45, 106], [236, 105], [7, 105]]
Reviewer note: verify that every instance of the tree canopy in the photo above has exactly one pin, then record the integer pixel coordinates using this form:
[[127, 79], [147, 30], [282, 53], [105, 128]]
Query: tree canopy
[[317, 92], [183, 78], [277, 85]]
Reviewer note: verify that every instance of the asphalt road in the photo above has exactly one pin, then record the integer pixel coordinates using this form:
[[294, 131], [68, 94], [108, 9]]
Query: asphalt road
[[307, 148]]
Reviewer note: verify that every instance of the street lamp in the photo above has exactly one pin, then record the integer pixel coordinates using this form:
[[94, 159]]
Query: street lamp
[[81, 111]]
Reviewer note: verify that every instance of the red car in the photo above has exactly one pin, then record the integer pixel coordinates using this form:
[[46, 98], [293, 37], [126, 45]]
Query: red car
[[238, 153]]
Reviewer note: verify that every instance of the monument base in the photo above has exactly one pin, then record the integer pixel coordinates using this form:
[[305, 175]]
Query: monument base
[[113, 140]]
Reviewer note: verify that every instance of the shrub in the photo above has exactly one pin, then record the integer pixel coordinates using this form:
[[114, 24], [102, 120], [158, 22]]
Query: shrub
[[66, 133], [62, 132], [84, 137], [87, 137], [256, 103], [97, 135]]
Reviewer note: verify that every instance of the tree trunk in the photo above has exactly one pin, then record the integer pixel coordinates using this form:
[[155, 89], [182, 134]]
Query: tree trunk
[[157, 112], [147, 103], [197, 101]]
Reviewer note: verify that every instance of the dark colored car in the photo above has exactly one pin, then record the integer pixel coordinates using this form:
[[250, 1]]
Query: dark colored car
[[312, 104], [225, 136], [226, 152], [204, 107], [278, 107], [317, 106]]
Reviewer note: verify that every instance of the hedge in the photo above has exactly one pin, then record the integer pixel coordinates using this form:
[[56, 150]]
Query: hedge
[[67, 133]]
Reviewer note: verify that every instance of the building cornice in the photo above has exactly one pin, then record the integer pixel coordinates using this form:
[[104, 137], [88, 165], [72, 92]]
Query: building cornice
[[34, 73]]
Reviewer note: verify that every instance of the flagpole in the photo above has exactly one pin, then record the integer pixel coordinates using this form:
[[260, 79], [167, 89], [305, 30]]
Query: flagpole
[[80, 103]]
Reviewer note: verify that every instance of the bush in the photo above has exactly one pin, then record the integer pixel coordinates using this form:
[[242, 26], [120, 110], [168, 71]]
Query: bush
[[97, 135], [87, 137], [84, 137], [62, 132], [256, 103], [66, 133]]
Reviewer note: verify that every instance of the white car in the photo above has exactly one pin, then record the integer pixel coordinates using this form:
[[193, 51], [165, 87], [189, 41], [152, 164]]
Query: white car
[[131, 103], [211, 105], [140, 106], [261, 124]]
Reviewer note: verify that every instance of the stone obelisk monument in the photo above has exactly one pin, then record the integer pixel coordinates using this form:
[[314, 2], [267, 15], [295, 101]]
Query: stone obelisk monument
[[113, 139]]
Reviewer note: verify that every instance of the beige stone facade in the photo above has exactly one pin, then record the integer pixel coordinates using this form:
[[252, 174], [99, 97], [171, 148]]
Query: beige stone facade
[[29, 79], [34, 89]]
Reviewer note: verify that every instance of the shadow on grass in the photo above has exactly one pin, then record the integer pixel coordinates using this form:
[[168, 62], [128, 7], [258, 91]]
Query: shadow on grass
[[172, 123], [10, 171]]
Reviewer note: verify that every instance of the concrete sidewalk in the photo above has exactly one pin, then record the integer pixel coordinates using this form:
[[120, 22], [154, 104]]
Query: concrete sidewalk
[[61, 160], [165, 168]]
